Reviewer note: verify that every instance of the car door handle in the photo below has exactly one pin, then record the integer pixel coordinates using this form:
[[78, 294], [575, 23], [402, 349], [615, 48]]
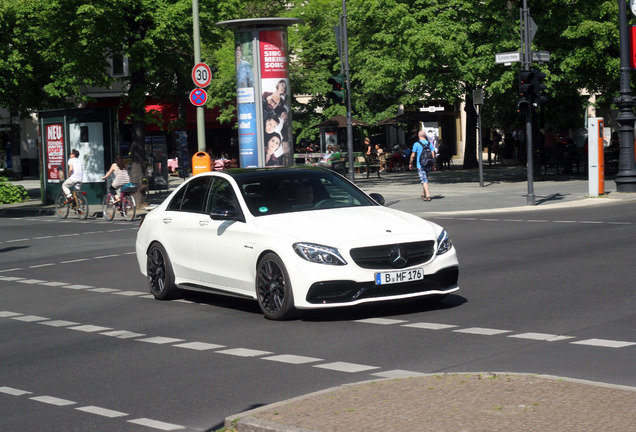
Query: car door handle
[[204, 222], [167, 220]]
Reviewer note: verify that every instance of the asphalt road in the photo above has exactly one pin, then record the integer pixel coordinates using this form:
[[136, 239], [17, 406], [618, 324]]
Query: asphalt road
[[84, 347]]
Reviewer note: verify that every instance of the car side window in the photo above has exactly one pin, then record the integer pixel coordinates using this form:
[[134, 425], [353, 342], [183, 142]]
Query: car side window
[[191, 198], [221, 195]]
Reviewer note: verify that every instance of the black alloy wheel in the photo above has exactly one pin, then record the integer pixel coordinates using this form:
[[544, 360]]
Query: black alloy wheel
[[160, 274], [273, 289]]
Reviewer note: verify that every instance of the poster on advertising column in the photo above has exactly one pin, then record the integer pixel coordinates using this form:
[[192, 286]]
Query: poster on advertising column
[[246, 100], [276, 98], [54, 153]]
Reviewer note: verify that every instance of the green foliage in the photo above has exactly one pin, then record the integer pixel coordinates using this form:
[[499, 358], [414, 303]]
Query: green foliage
[[10, 193]]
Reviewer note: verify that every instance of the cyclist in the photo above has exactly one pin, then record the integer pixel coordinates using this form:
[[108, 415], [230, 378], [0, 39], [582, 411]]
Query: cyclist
[[121, 177], [75, 174]]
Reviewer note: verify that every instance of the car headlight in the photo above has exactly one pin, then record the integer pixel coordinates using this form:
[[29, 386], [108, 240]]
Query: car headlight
[[444, 243], [319, 254]]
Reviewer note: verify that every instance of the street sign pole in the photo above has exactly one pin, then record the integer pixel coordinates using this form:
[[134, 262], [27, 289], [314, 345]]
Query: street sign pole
[[197, 59], [526, 63]]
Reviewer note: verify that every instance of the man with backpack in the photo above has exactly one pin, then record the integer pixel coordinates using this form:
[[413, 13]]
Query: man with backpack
[[423, 156]]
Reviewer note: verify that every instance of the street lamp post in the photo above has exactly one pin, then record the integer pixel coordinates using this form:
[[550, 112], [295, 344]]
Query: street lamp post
[[626, 176]]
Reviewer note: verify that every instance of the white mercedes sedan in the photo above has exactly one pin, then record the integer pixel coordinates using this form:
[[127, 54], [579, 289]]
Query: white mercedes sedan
[[291, 238]]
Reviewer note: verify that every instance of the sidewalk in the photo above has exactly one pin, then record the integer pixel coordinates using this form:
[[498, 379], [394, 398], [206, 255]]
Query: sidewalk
[[453, 191], [475, 402]]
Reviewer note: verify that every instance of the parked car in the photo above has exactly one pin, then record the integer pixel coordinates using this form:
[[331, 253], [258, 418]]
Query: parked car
[[291, 238]]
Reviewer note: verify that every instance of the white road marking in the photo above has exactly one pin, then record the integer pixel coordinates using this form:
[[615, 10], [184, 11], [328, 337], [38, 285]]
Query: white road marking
[[58, 323], [53, 400], [30, 318], [31, 281], [292, 359], [541, 337], [122, 334], [345, 367], [103, 290], [482, 331], [129, 293], [13, 391], [381, 321], [199, 346], [159, 340], [244, 352], [605, 343], [106, 256], [429, 326], [74, 261], [42, 265], [101, 411], [55, 284], [7, 314], [398, 373], [156, 424], [77, 287], [90, 328]]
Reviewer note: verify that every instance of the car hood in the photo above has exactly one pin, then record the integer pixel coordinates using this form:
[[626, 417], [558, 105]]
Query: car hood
[[358, 225]]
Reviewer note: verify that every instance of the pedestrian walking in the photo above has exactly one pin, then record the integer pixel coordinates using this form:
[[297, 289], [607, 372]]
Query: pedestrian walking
[[416, 161]]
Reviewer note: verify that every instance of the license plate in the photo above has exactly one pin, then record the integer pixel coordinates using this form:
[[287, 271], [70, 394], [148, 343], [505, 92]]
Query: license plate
[[386, 278]]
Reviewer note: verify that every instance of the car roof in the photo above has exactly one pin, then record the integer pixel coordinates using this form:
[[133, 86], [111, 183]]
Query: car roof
[[244, 174]]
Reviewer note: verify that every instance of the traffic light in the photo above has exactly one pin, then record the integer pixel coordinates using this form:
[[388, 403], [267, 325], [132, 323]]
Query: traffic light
[[338, 92], [538, 87], [526, 86]]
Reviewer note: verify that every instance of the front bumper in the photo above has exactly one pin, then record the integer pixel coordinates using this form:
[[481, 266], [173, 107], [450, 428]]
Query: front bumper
[[348, 292]]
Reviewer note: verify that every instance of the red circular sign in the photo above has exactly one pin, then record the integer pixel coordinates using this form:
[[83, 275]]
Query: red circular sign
[[198, 97], [201, 75]]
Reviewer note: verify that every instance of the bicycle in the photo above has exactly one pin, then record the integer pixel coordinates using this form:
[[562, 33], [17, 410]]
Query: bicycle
[[126, 206], [77, 202]]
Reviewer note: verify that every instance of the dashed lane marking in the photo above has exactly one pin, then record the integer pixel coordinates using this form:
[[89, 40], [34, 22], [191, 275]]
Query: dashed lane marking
[[101, 411], [604, 343], [541, 337], [13, 391], [345, 367], [199, 346], [482, 331], [160, 340], [429, 326], [53, 400], [292, 359], [92, 409], [156, 424], [244, 352]]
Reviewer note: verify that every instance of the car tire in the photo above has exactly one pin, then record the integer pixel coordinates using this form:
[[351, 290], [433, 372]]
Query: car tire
[[273, 289], [160, 273]]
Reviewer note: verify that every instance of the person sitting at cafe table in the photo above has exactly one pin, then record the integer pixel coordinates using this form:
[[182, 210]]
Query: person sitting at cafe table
[[329, 158]]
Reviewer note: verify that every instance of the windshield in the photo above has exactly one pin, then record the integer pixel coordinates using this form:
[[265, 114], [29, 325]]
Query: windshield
[[285, 191]]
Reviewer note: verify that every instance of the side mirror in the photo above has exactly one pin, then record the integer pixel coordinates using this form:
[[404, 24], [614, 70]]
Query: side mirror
[[225, 213], [377, 198]]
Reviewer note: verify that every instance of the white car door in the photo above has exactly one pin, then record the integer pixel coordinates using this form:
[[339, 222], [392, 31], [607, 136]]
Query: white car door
[[181, 221], [224, 254]]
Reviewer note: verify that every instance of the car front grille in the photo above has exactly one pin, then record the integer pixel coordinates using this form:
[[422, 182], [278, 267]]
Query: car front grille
[[380, 257], [349, 291]]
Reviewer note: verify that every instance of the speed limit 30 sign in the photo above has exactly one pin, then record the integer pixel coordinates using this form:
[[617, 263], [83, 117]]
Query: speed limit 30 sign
[[201, 75]]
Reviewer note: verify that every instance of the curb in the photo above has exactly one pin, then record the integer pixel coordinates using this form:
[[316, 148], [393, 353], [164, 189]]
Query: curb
[[248, 421]]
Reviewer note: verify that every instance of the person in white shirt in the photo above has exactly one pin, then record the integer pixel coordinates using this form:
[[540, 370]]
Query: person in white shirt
[[75, 173]]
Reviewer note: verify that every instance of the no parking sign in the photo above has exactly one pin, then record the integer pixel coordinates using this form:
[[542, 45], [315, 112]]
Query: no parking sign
[[198, 97]]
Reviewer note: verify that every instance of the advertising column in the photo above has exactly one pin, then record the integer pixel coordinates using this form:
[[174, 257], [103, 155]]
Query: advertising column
[[263, 95], [276, 98], [245, 100]]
